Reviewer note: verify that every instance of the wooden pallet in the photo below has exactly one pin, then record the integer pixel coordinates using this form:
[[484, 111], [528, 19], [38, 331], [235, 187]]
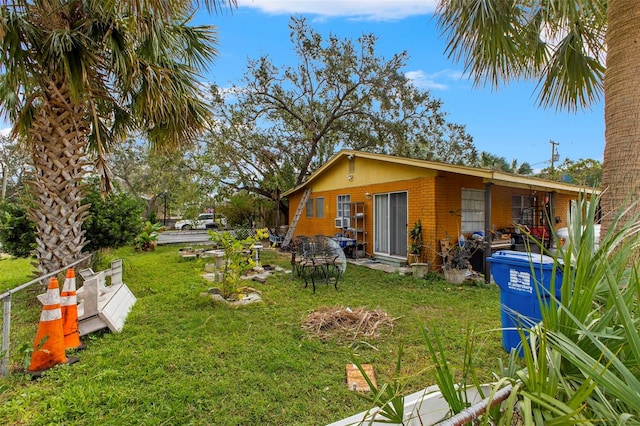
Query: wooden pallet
[[101, 305], [107, 310]]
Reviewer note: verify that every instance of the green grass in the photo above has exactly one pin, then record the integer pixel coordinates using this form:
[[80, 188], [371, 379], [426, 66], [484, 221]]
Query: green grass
[[181, 359], [13, 272]]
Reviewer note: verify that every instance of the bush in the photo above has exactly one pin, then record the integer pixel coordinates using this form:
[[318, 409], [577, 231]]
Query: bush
[[113, 221], [146, 240], [17, 232]]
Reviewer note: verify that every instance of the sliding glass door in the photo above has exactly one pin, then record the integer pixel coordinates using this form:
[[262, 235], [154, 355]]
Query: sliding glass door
[[390, 224]]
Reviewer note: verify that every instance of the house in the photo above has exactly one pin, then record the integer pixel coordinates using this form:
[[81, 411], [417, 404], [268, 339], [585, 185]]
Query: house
[[376, 199]]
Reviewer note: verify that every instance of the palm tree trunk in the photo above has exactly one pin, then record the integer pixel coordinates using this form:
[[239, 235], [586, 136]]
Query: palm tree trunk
[[59, 136], [621, 167]]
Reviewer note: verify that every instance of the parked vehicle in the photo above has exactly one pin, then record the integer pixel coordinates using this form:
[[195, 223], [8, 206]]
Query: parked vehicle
[[562, 239], [203, 221]]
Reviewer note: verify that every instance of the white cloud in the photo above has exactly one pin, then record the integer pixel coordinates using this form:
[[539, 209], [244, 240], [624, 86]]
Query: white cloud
[[378, 10], [435, 81]]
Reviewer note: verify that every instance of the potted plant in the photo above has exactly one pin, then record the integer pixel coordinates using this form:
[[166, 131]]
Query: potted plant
[[418, 268], [456, 263], [415, 248]]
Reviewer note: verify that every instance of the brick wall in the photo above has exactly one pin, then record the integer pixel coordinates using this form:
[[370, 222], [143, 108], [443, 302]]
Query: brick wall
[[420, 206]]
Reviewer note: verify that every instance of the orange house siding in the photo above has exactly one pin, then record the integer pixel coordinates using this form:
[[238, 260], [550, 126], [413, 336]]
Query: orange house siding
[[420, 200]]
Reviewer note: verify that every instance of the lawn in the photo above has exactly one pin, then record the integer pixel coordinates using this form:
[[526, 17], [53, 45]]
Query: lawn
[[181, 359]]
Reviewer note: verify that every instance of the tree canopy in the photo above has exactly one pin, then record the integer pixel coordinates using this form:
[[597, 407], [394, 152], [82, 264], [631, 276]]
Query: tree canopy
[[585, 172], [13, 166], [487, 160], [280, 124], [178, 180]]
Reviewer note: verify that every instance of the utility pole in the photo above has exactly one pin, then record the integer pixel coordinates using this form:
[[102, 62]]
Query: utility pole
[[554, 152]]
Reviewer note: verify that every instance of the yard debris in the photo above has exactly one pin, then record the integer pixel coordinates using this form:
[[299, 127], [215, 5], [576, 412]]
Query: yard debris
[[347, 323]]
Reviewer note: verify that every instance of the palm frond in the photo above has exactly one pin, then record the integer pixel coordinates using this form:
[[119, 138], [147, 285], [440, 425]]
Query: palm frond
[[559, 44]]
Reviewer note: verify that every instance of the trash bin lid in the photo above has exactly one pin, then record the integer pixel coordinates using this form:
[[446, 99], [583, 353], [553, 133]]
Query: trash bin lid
[[521, 258]]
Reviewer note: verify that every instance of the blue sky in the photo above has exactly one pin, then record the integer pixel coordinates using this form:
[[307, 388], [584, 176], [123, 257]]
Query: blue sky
[[505, 122]]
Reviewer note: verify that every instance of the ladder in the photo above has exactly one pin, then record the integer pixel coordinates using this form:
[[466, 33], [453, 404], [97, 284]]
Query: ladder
[[303, 202]]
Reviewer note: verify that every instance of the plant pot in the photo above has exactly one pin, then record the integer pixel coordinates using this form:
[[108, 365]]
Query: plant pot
[[420, 270], [455, 276]]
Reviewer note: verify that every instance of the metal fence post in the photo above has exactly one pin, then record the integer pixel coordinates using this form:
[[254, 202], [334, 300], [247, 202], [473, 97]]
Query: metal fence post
[[6, 327]]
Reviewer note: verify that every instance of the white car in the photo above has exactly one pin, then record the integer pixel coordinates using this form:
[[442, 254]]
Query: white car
[[203, 221], [562, 239]]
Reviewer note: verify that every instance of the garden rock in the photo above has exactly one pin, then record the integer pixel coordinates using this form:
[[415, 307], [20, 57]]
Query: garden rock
[[249, 295], [249, 298]]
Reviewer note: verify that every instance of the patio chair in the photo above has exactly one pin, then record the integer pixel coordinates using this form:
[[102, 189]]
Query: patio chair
[[321, 258], [297, 254]]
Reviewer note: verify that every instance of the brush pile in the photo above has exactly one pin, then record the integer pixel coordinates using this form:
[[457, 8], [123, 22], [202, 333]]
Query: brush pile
[[347, 323]]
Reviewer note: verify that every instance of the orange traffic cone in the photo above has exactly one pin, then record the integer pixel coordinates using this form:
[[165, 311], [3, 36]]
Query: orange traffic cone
[[69, 307], [48, 348]]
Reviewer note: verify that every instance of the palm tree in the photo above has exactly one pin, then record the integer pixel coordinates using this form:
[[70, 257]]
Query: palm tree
[[492, 161], [562, 45], [78, 76]]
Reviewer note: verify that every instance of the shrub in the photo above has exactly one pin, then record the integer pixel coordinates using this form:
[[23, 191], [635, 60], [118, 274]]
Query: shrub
[[114, 220], [152, 217], [582, 359], [146, 240], [237, 258], [580, 363], [17, 232]]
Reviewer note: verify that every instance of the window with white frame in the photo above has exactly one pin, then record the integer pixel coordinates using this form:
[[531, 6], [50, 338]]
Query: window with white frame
[[472, 211], [320, 207], [344, 206]]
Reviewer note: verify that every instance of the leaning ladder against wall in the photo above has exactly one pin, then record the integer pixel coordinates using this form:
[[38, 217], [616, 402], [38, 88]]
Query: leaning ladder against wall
[[292, 227]]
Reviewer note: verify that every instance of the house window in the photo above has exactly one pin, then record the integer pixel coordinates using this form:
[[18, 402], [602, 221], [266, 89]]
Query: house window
[[472, 210], [522, 210], [320, 207], [309, 207], [344, 206]]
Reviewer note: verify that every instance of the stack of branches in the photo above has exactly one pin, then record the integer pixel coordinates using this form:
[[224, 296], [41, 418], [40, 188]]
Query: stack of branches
[[346, 323]]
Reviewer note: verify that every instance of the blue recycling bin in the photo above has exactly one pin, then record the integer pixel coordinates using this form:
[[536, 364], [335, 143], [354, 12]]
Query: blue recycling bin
[[525, 281]]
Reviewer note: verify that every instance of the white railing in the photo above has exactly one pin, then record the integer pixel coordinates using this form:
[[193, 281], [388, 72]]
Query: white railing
[[6, 314]]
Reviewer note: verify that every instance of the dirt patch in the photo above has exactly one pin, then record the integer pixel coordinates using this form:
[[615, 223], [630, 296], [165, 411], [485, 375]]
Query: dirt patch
[[347, 324]]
